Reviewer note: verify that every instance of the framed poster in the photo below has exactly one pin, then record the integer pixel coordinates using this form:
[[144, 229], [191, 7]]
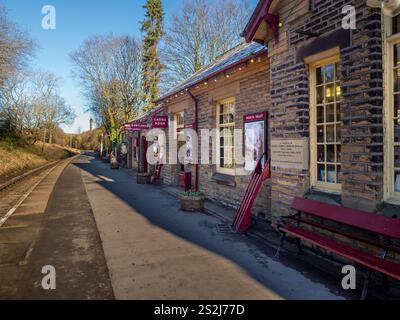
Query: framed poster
[[255, 139]]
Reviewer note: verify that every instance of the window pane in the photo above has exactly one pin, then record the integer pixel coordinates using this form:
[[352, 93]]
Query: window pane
[[330, 113], [320, 114], [338, 110], [338, 91], [321, 172], [320, 75], [396, 106], [330, 153], [320, 134], [338, 134], [330, 133], [396, 80], [396, 55], [331, 174], [396, 25], [396, 131], [329, 75], [320, 95], [397, 157], [321, 153], [397, 181], [330, 93]]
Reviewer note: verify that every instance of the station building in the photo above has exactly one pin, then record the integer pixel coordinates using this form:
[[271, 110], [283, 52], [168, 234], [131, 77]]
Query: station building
[[334, 91], [225, 97], [331, 103]]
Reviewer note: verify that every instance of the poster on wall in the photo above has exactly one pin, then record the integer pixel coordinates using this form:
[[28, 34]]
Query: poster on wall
[[189, 146], [255, 143]]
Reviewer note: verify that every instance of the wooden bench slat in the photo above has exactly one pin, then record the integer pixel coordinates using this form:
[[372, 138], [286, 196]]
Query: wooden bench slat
[[387, 267], [349, 235], [356, 218]]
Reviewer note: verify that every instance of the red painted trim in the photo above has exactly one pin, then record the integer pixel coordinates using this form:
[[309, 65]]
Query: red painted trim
[[261, 13], [256, 19]]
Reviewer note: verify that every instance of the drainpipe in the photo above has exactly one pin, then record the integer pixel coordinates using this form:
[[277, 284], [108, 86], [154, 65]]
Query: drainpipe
[[196, 129]]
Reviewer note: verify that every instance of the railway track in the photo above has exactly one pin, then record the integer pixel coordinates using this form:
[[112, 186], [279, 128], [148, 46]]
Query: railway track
[[14, 192]]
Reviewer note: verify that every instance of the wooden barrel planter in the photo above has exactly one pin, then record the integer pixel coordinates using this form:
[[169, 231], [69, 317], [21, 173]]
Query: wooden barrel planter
[[114, 165], [143, 178], [192, 201]]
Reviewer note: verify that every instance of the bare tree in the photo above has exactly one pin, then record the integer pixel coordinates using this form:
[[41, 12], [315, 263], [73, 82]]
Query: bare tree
[[15, 47], [200, 33], [109, 70], [32, 105]]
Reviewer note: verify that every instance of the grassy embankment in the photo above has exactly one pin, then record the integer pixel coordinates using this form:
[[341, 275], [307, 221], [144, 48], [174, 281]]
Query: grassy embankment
[[16, 157]]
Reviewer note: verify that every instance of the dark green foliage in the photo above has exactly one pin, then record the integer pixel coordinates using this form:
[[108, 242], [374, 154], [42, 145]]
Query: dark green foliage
[[152, 27]]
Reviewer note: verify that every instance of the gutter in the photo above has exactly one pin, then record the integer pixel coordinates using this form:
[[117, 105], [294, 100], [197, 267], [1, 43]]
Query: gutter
[[196, 128]]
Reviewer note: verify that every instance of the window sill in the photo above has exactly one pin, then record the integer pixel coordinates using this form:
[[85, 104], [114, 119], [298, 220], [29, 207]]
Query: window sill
[[394, 201], [224, 179], [328, 191]]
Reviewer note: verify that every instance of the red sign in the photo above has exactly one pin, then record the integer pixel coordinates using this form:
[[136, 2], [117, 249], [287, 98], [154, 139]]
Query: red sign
[[137, 126], [189, 126], [262, 116], [160, 122]]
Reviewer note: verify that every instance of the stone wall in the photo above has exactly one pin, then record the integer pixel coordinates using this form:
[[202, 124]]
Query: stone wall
[[250, 87], [361, 81]]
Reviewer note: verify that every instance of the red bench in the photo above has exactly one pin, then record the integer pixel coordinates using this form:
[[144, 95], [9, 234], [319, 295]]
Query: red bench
[[386, 228]]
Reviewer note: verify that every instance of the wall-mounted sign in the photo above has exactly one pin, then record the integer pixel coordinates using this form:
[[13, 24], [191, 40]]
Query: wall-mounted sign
[[137, 126], [255, 139], [262, 116], [290, 154], [189, 126], [160, 122]]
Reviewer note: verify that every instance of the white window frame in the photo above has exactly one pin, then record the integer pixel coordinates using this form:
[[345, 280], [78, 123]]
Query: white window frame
[[388, 110], [219, 169], [315, 184]]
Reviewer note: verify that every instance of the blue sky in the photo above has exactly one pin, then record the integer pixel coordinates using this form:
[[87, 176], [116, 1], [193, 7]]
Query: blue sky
[[76, 21]]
